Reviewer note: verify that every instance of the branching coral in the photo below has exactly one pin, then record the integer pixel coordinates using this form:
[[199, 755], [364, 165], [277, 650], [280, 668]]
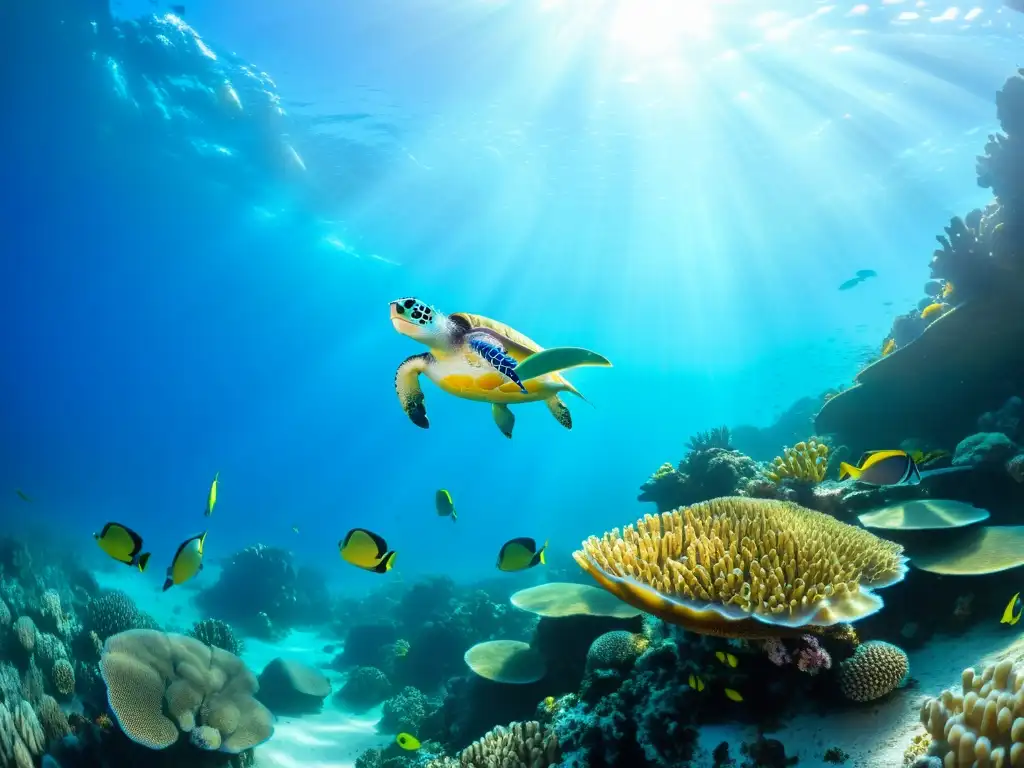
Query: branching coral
[[718, 437], [741, 567], [805, 462], [521, 745]]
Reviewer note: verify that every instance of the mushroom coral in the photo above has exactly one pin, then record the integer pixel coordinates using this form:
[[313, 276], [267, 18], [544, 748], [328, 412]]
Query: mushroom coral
[[743, 567]]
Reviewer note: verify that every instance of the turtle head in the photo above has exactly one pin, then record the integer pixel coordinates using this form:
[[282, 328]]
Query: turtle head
[[417, 320]]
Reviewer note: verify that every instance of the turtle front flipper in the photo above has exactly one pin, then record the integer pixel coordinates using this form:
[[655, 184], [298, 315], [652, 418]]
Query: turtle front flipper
[[504, 418], [560, 411], [494, 355], [407, 385]]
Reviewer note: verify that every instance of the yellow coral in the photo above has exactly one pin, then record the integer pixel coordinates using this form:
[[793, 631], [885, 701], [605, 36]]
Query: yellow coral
[[918, 747], [982, 724], [804, 463], [741, 567]]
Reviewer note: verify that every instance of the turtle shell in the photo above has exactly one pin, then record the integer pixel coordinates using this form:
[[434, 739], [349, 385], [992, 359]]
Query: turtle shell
[[479, 321]]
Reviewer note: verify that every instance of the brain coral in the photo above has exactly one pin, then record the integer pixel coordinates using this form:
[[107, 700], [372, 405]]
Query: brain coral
[[64, 677], [617, 649], [875, 669], [202, 686], [982, 724], [742, 567]]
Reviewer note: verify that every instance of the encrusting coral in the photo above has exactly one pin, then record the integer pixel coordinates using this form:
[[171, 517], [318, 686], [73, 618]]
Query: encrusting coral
[[805, 462], [982, 724], [741, 567], [202, 686], [876, 669]]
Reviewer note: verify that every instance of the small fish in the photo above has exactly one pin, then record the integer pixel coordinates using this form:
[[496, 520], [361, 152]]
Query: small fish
[[696, 683], [1013, 611], [549, 703], [123, 544], [520, 554], [852, 282], [948, 288], [727, 658], [211, 499], [23, 496], [295, 529], [933, 311], [187, 561], [367, 550], [733, 695], [407, 741], [864, 274], [883, 468], [444, 505], [889, 347]]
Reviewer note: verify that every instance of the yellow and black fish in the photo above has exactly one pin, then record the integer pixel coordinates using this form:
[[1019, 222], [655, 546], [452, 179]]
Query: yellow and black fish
[[883, 468], [23, 496], [444, 504], [365, 549], [123, 544], [726, 658], [696, 683], [407, 741], [211, 499], [187, 561], [1013, 611], [520, 554]]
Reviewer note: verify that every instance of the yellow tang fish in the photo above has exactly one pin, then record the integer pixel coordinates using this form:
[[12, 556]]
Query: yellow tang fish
[[1013, 611], [520, 554], [726, 658], [123, 544], [211, 500], [187, 562], [933, 311], [889, 347], [367, 550], [696, 683], [407, 741], [444, 504], [733, 695], [883, 468]]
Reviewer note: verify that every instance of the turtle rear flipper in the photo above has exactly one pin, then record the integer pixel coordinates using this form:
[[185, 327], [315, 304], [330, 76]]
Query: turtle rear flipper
[[504, 418], [494, 354], [560, 411], [407, 385]]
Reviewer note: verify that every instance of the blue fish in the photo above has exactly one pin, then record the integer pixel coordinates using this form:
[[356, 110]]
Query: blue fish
[[497, 358]]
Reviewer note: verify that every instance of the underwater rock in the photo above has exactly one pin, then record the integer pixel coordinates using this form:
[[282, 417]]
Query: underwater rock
[[968, 361], [365, 687], [365, 646], [983, 448], [702, 475], [289, 687], [1007, 419]]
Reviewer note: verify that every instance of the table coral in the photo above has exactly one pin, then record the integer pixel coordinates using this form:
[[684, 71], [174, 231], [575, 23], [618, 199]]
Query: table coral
[[741, 567]]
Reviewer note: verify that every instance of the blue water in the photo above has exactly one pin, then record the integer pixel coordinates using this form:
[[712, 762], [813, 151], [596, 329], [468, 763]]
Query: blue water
[[192, 287]]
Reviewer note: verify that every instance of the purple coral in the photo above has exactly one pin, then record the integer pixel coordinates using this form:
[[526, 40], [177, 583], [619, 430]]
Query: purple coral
[[811, 658]]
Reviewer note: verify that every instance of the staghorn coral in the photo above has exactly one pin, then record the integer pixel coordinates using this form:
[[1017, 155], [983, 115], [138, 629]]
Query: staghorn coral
[[741, 567], [201, 686], [520, 745], [218, 634], [876, 669], [64, 677], [805, 462], [983, 722]]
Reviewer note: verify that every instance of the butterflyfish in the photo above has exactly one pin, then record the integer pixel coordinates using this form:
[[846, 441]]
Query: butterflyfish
[[726, 658], [407, 741], [444, 505], [211, 499], [696, 683], [520, 554], [187, 562], [733, 695], [883, 468], [1013, 611], [365, 549], [23, 496], [123, 544]]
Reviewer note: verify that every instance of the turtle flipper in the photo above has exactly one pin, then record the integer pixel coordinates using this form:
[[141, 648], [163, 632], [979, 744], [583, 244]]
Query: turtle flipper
[[560, 411], [504, 418], [407, 385], [494, 355]]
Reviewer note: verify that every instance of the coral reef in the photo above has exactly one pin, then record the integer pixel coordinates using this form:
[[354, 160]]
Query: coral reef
[[114, 612], [718, 437], [365, 687], [520, 745], [704, 474], [795, 567], [618, 649], [806, 462], [218, 634], [876, 669], [406, 712]]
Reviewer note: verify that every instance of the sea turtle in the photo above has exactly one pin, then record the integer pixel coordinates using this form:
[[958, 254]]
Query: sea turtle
[[472, 357]]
